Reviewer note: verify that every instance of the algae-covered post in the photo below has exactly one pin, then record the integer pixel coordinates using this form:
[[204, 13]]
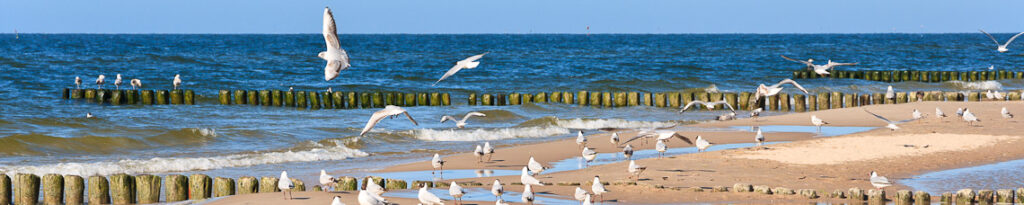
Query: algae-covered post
[[175, 188], [223, 187], [122, 188], [53, 189], [147, 189], [74, 189], [99, 190], [248, 185]]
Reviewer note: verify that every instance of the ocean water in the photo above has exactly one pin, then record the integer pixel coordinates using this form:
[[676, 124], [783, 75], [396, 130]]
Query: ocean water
[[41, 133]]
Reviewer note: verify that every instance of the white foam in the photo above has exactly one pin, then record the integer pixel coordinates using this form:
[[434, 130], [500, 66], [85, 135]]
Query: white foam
[[978, 85], [161, 165], [482, 134], [591, 124]]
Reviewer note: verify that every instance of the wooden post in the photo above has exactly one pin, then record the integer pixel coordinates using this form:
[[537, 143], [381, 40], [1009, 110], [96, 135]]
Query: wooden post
[[901, 97], [1013, 96], [799, 103], [268, 184], [277, 98], [922, 198], [400, 99], [595, 98], [632, 99], [117, 97], [74, 187], [190, 97], [953, 96], [90, 94], [849, 100], [541, 97], [836, 99], [1020, 196], [567, 98], [200, 186], [876, 196], [990, 75], [864, 100], [877, 98], [264, 97], [410, 99], [904, 197], [1004, 196], [773, 102], [175, 188], [886, 76], [102, 96], [783, 102], [177, 97], [389, 99], [301, 101], [435, 99], [620, 99], [812, 102], [337, 100], [659, 99], [446, 99], [28, 189], [299, 185], [606, 99], [160, 97], [527, 98], [718, 97], [224, 97], [973, 96], [223, 187], [99, 190], [648, 99], [985, 196], [946, 198], [581, 98], [744, 101], [122, 189], [248, 185], [147, 189], [252, 97], [965, 196], [347, 184], [240, 98], [289, 98], [472, 99], [53, 189], [823, 101], [352, 99], [314, 100], [731, 99], [973, 76], [422, 99], [514, 99], [395, 184], [556, 97], [372, 179], [702, 96], [486, 99], [131, 97]]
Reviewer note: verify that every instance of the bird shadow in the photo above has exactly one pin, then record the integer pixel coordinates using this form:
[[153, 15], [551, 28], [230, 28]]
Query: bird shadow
[[299, 198], [680, 170]]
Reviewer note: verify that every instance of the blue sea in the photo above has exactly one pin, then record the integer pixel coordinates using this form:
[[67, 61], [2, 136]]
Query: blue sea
[[42, 133]]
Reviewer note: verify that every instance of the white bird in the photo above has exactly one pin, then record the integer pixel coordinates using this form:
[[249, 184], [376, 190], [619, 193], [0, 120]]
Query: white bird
[[969, 117], [879, 182], [1006, 113], [598, 188], [580, 194], [337, 201], [437, 163], [388, 111], [661, 148], [586, 200], [489, 150], [817, 122], [535, 167], [993, 95], [890, 124], [627, 151], [991, 67], [1001, 47], [136, 83], [917, 115], [589, 155], [373, 187], [88, 115], [479, 153], [78, 82], [497, 190], [326, 181], [889, 93], [461, 123], [500, 202], [635, 170], [367, 198], [659, 135], [468, 63], [527, 194], [177, 81], [756, 113], [336, 57], [614, 139], [285, 185], [117, 82], [99, 81], [960, 111], [819, 69], [939, 113], [525, 178], [759, 137], [766, 91], [702, 144], [456, 192], [708, 105], [580, 139], [428, 198]]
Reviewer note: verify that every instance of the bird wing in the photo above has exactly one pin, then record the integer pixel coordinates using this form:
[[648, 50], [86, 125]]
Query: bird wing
[[681, 137], [878, 116], [589, 152], [472, 114], [798, 61], [834, 64], [1014, 37], [688, 105], [330, 31], [446, 118], [790, 81], [410, 118], [334, 66], [722, 102], [990, 36], [880, 180], [374, 119], [451, 71], [638, 136], [474, 58]]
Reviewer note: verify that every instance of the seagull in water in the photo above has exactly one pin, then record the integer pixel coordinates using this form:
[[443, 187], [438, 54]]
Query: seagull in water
[[326, 181], [336, 57], [525, 178], [527, 194], [819, 69], [437, 163], [496, 189], [890, 124], [468, 63], [367, 198], [627, 151], [456, 192], [535, 167], [598, 188], [1001, 47], [635, 170], [489, 150], [817, 122], [117, 82], [879, 182], [1006, 113], [589, 155], [99, 81], [580, 194], [136, 83], [388, 111], [285, 185], [88, 115], [462, 123], [759, 137], [766, 91], [78, 82], [702, 144], [969, 117], [427, 198], [177, 81]]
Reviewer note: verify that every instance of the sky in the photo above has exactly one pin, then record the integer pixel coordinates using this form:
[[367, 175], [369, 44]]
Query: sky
[[513, 16]]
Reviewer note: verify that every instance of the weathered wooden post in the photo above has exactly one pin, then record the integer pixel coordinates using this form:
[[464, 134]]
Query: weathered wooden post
[[985, 196], [122, 189], [53, 189], [314, 100], [581, 98], [117, 97], [410, 99], [648, 99], [338, 100], [74, 188], [299, 185], [731, 99], [567, 98], [965, 196], [28, 189], [276, 98], [446, 99], [372, 179], [175, 188], [922, 198], [856, 194], [849, 100], [147, 189], [90, 94], [659, 99], [252, 97], [268, 184], [743, 101], [264, 96], [248, 185], [395, 184], [595, 98], [500, 99], [224, 97], [223, 187], [435, 99], [812, 102], [301, 100], [946, 198], [540, 97], [190, 97], [160, 97], [390, 99], [836, 99], [717, 96], [877, 98], [799, 103], [620, 99], [1004, 196], [527, 98], [486, 99], [240, 98], [472, 99], [347, 184], [99, 190], [353, 99], [514, 99], [200, 186], [876, 196], [974, 96], [177, 97], [289, 98], [773, 102], [973, 76], [784, 102], [102, 96], [673, 99], [632, 98], [901, 97], [991, 75], [556, 97], [131, 97], [1020, 195], [823, 101], [400, 99], [904, 197]]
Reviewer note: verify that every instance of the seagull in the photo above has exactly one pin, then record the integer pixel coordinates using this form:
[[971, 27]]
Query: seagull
[[960, 111], [726, 117], [891, 125], [337, 201], [285, 185], [437, 163], [580, 139], [1006, 113], [939, 113], [766, 91], [586, 200], [326, 180], [500, 202], [367, 198], [525, 178], [969, 117], [428, 198], [614, 139], [527, 194], [756, 113], [136, 83], [993, 95], [598, 188], [462, 123], [388, 111], [708, 105], [117, 82], [889, 93], [627, 151], [373, 187], [661, 148], [479, 153], [661, 135], [535, 167], [177, 81], [1001, 47], [88, 115], [78, 82], [468, 63], [817, 122], [580, 194], [759, 137], [635, 170], [99, 81], [702, 144], [457, 192], [496, 189], [589, 155], [991, 67], [489, 150], [336, 57], [819, 69], [879, 182], [917, 115]]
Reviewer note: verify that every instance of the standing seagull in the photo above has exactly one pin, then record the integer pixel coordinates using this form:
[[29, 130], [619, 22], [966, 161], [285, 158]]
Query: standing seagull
[[702, 144], [497, 189], [462, 123], [535, 167], [177, 81], [373, 187], [1006, 113], [99, 81], [367, 198], [1001, 47], [468, 63], [428, 198], [78, 82], [917, 115], [635, 170], [879, 182], [136, 83], [756, 113], [627, 151], [117, 82], [525, 178], [337, 201], [437, 163], [817, 122], [614, 139], [589, 155], [598, 188], [939, 114], [479, 153], [661, 148], [819, 69], [285, 185], [580, 194], [456, 192], [581, 140], [326, 181], [759, 137], [765, 91], [969, 117], [889, 93], [389, 110], [489, 150], [336, 57]]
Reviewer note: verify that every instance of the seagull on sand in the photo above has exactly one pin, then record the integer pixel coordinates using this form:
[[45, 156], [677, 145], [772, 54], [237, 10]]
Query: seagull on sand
[[527, 194], [337, 201], [1001, 47], [285, 185], [489, 150], [535, 167], [580, 139], [708, 105], [479, 153], [917, 115], [497, 190], [890, 124], [326, 181], [759, 137], [661, 148], [756, 113], [960, 111], [427, 198], [879, 182], [367, 198], [177, 81], [889, 93], [614, 139], [939, 114], [589, 155], [99, 81], [78, 82], [817, 122], [702, 144], [456, 192], [1006, 113], [500, 202], [993, 95], [336, 57], [766, 91], [598, 188], [462, 123], [969, 117], [117, 82], [819, 69], [373, 187], [525, 178], [388, 111], [437, 163], [635, 170], [136, 83], [627, 151], [580, 194], [468, 63]]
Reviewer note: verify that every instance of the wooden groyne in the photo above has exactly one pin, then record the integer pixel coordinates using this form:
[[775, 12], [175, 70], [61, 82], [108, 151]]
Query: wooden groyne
[[331, 100], [131, 97], [914, 75]]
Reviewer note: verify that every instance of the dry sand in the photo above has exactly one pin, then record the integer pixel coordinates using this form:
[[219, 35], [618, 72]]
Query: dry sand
[[861, 148]]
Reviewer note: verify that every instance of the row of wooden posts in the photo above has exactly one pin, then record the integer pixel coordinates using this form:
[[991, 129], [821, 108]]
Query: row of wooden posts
[[902, 197], [328, 99], [914, 75], [131, 97]]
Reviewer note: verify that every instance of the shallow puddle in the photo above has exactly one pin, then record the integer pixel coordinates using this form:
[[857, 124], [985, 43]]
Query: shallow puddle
[[1003, 175], [826, 131], [481, 194]]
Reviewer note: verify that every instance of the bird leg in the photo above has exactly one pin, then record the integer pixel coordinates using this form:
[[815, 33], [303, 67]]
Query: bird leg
[[489, 157]]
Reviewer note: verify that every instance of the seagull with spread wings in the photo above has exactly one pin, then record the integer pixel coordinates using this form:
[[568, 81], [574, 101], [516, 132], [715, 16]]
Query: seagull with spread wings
[[891, 124], [462, 123], [819, 69], [468, 63], [388, 111], [336, 57], [1001, 47], [709, 105], [766, 91]]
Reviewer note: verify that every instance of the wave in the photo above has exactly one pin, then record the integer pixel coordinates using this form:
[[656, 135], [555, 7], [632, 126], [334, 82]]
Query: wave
[[540, 127], [979, 85], [593, 124], [39, 144], [164, 165]]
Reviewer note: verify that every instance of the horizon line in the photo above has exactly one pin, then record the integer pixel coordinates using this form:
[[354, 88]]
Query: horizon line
[[723, 33]]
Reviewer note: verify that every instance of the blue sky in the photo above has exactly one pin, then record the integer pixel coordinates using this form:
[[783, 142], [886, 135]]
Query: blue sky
[[519, 16]]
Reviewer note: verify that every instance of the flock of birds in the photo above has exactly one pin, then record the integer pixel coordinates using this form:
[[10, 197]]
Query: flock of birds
[[135, 82]]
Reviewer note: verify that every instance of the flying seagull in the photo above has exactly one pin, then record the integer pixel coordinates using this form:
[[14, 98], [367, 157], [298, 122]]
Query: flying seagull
[[819, 69], [336, 57], [388, 111], [766, 91], [468, 63], [462, 123], [709, 105], [1001, 47], [891, 125]]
